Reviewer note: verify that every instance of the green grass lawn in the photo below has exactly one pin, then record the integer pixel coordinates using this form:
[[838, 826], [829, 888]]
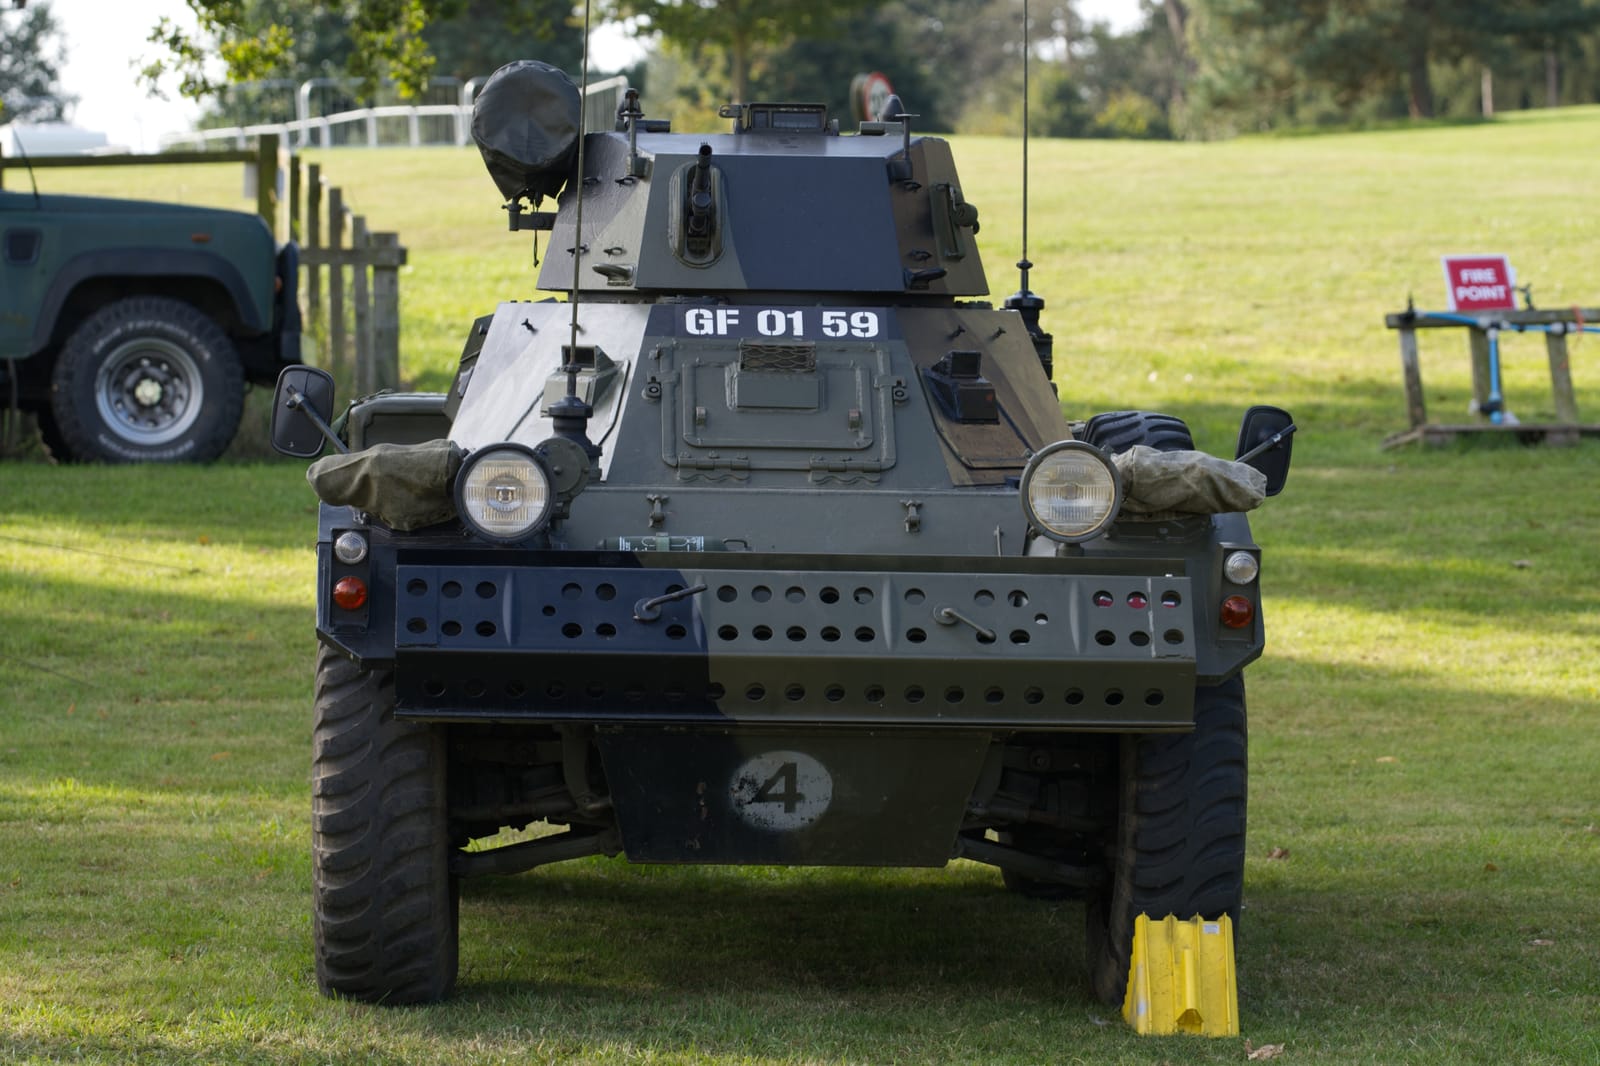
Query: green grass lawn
[[1425, 737]]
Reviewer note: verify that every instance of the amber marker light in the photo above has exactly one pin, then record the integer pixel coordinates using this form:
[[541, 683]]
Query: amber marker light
[[350, 593], [1237, 612]]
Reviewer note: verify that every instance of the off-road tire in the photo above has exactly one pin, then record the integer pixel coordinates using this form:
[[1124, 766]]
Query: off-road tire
[[1179, 845], [385, 906], [146, 379], [1117, 431]]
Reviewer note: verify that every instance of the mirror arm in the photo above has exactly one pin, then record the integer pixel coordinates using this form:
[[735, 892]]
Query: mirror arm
[[295, 400], [1268, 444]]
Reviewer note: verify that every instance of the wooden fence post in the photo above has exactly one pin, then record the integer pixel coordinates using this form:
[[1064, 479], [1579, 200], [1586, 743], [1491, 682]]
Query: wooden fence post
[[361, 314], [358, 284], [336, 320], [314, 240], [386, 310], [294, 200], [267, 181]]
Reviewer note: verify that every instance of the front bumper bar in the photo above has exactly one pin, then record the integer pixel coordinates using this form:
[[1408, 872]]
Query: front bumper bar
[[1027, 649]]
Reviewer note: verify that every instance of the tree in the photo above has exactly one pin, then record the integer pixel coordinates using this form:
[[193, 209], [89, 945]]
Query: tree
[[870, 39], [464, 39], [1254, 52], [736, 28], [368, 39], [1269, 62], [1547, 27], [31, 55], [477, 37]]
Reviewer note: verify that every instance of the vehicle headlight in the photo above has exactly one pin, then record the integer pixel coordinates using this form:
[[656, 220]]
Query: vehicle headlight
[[1070, 491], [503, 493]]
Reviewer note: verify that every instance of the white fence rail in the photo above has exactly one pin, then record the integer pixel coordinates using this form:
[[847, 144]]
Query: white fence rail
[[379, 125]]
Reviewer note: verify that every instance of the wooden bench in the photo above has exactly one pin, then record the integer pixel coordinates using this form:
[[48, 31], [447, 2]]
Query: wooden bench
[[1565, 430]]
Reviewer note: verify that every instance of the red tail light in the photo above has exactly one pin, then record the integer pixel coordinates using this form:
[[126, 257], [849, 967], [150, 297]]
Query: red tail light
[[1237, 612], [350, 593]]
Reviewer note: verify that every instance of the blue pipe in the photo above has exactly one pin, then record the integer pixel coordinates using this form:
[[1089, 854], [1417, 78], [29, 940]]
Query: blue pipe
[[1494, 404]]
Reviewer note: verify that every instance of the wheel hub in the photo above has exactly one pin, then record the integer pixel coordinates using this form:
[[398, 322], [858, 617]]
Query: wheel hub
[[149, 391]]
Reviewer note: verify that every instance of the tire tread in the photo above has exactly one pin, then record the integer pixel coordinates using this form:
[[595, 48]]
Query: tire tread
[[1181, 833], [384, 904]]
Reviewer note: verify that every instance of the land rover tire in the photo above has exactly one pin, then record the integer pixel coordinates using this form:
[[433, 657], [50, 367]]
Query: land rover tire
[[385, 905], [146, 379], [1178, 847], [1117, 431]]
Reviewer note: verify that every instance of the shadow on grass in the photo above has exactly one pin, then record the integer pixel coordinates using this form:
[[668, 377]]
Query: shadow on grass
[[126, 644], [773, 931], [256, 505]]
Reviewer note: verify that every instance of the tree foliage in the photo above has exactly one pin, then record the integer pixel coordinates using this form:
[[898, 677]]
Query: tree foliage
[[464, 39], [736, 30], [31, 56], [1190, 68], [370, 40], [1267, 63]]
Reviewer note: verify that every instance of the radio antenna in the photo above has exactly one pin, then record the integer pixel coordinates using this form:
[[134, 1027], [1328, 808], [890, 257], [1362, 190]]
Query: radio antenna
[[1023, 264], [1024, 301], [569, 416], [22, 150]]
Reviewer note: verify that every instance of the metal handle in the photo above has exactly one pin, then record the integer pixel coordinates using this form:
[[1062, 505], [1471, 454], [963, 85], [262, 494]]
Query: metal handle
[[649, 610], [949, 616]]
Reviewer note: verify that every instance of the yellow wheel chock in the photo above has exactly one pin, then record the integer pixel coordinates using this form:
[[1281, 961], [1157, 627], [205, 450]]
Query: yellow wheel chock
[[1181, 978]]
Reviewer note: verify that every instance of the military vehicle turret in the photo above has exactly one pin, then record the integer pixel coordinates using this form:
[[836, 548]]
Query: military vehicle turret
[[771, 544]]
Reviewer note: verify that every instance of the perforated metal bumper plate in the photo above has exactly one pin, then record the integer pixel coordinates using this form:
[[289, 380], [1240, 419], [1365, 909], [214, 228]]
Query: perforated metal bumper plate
[[990, 650]]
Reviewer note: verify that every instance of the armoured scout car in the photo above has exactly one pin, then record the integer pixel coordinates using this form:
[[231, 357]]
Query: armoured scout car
[[770, 545]]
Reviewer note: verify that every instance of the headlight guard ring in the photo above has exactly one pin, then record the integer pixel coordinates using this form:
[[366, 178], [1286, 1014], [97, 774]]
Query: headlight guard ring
[[465, 486], [1049, 455]]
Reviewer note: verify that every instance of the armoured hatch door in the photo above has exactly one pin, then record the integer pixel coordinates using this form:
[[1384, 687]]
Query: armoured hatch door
[[790, 398]]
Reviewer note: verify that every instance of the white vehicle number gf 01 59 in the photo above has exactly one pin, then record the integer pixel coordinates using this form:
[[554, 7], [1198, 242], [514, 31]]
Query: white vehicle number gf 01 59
[[792, 322]]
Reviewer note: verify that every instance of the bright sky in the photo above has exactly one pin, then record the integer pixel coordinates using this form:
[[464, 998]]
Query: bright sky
[[105, 42]]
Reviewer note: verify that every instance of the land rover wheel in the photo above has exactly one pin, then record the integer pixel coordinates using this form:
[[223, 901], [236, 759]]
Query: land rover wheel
[[1117, 431], [147, 379], [1179, 843], [385, 906]]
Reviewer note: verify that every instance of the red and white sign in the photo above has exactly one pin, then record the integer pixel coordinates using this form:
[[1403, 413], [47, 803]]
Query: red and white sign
[[1480, 283], [870, 92]]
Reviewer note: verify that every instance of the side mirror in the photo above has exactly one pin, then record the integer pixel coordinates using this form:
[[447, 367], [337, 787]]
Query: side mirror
[[301, 407], [1266, 442]]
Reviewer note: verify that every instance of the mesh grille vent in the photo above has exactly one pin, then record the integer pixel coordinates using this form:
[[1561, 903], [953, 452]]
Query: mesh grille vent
[[783, 358]]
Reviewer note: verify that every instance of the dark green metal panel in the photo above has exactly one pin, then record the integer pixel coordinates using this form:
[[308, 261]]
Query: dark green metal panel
[[809, 799]]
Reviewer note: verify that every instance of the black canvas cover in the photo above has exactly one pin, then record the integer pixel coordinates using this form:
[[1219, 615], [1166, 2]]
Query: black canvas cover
[[526, 121]]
